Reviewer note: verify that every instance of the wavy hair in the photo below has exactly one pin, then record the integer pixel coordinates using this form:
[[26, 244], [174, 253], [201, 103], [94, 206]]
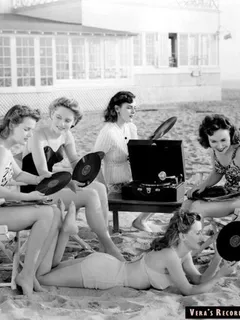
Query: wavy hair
[[213, 123], [181, 222], [70, 104], [14, 117], [110, 114]]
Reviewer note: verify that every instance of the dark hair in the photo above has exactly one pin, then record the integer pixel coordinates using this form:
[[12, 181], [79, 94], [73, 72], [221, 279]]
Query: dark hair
[[14, 117], [214, 122], [181, 222], [70, 104], [110, 114]]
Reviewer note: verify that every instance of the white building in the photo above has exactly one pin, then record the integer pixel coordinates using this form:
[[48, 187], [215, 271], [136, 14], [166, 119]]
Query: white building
[[162, 50]]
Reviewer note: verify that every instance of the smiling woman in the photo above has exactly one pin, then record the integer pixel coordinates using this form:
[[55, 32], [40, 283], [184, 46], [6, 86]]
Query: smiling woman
[[217, 133], [48, 145]]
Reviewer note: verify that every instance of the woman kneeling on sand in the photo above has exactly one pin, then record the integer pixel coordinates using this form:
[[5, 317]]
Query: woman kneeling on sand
[[167, 263]]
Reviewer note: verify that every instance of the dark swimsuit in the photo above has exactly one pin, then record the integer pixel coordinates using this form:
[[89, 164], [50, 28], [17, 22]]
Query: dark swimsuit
[[231, 173], [52, 157]]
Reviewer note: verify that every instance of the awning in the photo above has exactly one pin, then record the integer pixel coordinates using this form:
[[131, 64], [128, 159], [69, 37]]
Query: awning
[[23, 24]]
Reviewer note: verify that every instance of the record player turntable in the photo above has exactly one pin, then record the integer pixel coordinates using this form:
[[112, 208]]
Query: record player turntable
[[158, 171]]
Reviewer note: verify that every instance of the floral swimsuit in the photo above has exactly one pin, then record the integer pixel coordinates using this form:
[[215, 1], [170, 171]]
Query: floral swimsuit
[[231, 173]]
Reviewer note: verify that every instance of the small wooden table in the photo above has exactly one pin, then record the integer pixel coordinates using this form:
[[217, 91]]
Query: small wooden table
[[116, 203]]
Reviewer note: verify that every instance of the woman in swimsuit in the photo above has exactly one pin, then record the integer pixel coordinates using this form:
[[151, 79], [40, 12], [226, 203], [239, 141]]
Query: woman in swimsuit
[[167, 263], [15, 129], [47, 146], [217, 133]]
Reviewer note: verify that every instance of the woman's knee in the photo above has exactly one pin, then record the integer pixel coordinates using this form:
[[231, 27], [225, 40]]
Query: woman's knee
[[91, 196]]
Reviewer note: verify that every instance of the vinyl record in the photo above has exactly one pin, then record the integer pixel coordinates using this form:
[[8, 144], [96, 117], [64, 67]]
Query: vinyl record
[[87, 168], [228, 241], [163, 128], [55, 183]]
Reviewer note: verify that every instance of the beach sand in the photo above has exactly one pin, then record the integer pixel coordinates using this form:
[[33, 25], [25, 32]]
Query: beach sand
[[125, 303]]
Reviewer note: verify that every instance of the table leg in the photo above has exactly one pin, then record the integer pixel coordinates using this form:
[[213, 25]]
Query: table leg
[[115, 222]]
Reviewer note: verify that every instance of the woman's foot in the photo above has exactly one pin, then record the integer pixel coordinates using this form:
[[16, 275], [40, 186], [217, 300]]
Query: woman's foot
[[69, 224], [61, 207], [141, 225], [113, 251], [26, 283], [37, 287]]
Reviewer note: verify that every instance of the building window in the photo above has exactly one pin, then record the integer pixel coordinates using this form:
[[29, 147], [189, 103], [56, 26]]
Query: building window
[[213, 49], [124, 58], [204, 44], [150, 49], [194, 49], [46, 62], [137, 50], [25, 62], [78, 58], [110, 59], [172, 38], [62, 59], [183, 50], [94, 59], [5, 62]]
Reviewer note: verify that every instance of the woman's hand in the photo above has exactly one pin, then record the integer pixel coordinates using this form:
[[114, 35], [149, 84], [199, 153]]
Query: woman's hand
[[227, 268], [36, 195], [75, 186], [199, 188], [43, 176]]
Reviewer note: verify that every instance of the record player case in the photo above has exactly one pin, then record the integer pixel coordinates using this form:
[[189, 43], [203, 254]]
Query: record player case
[[149, 158]]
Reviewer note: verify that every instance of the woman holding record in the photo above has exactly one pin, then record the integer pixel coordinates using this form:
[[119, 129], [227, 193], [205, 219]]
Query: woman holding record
[[217, 133], [15, 129], [112, 140], [47, 146], [168, 263]]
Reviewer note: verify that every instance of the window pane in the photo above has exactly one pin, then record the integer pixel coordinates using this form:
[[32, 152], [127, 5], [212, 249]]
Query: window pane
[[5, 62], [183, 50], [46, 61], [110, 58], [204, 59], [94, 59], [137, 50], [150, 49], [25, 61], [193, 49], [62, 58], [78, 58], [213, 48], [124, 58]]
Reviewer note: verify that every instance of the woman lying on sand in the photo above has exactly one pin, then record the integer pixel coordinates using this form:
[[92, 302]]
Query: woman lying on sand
[[112, 140], [47, 147], [222, 137], [167, 263], [15, 128]]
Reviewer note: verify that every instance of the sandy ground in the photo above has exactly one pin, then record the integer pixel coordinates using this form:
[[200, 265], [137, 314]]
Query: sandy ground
[[124, 303]]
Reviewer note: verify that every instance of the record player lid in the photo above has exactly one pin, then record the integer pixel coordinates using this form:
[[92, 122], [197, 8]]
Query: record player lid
[[149, 157]]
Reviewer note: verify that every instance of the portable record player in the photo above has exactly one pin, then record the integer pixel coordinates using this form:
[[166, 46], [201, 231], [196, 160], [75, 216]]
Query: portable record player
[[158, 171]]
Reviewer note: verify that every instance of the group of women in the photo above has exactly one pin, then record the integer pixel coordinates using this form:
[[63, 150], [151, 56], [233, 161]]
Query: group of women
[[168, 261]]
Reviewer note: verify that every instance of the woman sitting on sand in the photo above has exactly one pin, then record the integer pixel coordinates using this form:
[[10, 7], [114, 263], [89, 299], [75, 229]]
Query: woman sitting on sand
[[167, 263], [112, 140], [222, 137], [46, 148], [15, 128]]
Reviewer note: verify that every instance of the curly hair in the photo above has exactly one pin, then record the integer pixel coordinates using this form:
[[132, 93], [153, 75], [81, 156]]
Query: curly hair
[[181, 222], [70, 104], [110, 114], [14, 117], [213, 123]]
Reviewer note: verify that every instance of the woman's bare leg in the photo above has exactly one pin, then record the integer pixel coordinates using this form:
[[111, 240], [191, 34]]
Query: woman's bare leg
[[89, 199], [56, 251], [39, 219], [141, 221], [215, 209], [102, 193]]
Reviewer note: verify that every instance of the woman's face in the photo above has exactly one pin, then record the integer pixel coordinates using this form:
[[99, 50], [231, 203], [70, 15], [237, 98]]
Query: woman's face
[[23, 131], [220, 140], [62, 120], [193, 238], [126, 111]]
